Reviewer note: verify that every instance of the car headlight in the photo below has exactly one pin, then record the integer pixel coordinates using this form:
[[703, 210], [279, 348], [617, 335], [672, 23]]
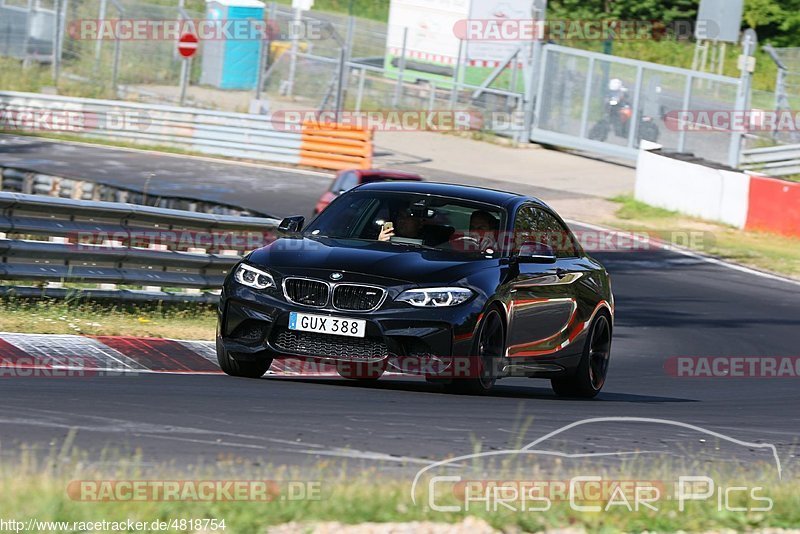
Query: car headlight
[[436, 296], [249, 276]]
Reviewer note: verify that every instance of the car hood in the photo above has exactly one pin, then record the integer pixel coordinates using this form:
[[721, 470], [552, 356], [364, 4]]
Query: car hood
[[398, 262]]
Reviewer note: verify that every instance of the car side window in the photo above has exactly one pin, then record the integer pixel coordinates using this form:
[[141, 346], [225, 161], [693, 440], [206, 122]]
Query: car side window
[[537, 225]]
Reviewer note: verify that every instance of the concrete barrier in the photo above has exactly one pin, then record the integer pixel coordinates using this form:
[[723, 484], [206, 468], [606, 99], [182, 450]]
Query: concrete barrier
[[774, 206], [692, 189], [746, 201]]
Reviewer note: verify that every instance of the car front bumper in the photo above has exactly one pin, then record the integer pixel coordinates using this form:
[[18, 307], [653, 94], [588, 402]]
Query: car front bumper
[[254, 325]]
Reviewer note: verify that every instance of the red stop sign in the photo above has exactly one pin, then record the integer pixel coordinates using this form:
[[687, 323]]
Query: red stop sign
[[187, 44]]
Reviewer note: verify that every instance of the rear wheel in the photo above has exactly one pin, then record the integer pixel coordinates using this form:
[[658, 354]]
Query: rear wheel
[[242, 369], [600, 131], [488, 353], [649, 132], [590, 376]]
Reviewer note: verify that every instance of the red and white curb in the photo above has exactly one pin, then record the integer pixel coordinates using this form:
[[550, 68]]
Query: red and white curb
[[124, 355]]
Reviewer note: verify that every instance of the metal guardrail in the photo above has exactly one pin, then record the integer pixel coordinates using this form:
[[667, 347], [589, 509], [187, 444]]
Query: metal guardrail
[[16, 179], [210, 132], [50, 241], [218, 133], [781, 160]]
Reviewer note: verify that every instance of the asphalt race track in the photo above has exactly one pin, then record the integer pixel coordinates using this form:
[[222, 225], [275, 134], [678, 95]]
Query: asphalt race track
[[272, 190], [668, 305]]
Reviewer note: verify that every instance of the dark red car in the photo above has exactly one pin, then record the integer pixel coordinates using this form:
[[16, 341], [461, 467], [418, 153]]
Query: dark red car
[[347, 180]]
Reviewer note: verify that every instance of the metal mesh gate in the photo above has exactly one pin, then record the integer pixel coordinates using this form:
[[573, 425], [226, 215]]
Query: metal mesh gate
[[573, 105]]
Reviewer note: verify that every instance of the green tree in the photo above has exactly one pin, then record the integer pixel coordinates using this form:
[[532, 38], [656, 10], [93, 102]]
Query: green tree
[[655, 10]]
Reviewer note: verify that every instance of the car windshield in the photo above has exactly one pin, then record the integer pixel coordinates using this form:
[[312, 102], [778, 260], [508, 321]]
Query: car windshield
[[413, 220]]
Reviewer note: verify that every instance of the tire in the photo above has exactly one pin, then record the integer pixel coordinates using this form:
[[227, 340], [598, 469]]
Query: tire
[[649, 132], [488, 351], [600, 131], [241, 369], [361, 371], [590, 376]]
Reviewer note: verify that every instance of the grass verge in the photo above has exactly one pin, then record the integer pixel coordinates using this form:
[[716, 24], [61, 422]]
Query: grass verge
[[66, 486], [760, 250], [177, 321]]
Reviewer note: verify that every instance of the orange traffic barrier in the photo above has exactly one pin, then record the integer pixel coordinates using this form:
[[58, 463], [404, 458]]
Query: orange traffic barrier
[[335, 146]]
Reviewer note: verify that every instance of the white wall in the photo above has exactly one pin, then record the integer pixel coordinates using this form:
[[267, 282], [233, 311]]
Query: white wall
[[692, 189]]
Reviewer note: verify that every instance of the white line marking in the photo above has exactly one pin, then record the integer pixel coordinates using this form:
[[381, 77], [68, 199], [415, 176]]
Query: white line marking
[[689, 253]]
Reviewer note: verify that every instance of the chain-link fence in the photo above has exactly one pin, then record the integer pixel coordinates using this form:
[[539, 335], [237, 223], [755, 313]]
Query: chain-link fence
[[302, 72], [785, 98], [316, 61]]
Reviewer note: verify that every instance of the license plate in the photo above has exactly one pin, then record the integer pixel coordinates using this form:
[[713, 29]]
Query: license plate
[[325, 324]]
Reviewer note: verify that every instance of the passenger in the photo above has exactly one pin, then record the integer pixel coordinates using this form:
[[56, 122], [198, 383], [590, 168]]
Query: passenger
[[407, 226]]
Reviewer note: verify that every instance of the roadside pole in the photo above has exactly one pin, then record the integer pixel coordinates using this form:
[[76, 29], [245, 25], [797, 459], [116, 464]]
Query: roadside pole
[[266, 44], [56, 40], [98, 45], [187, 47], [747, 65], [401, 71], [539, 15], [299, 6]]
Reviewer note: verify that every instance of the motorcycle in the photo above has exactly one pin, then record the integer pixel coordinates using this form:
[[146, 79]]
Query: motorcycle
[[618, 116]]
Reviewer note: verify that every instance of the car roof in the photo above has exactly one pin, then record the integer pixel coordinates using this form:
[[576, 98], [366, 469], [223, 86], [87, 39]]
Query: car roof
[[389, 174], [466, 192]]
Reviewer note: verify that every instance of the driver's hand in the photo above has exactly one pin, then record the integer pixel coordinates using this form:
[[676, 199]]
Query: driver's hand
[[386, 235]]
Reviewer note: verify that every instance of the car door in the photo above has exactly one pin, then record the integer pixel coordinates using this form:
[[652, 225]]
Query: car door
[[542, 299]]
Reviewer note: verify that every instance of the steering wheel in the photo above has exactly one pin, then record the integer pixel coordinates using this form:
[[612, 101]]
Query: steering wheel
[[464, 239]]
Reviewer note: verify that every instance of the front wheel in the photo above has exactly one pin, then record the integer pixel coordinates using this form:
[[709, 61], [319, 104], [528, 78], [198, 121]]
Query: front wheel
[[590, 376], [242, 369], [487, 355]]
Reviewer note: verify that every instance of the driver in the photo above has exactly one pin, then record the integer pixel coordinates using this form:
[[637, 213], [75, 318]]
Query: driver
[[484, 227], [482, 234]]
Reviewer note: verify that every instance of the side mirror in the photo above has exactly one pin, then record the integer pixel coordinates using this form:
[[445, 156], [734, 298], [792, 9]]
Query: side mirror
[[531, 252], [292, 225]]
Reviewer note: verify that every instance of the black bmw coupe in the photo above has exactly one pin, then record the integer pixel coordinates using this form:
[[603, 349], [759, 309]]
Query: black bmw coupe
[[461, 285]]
